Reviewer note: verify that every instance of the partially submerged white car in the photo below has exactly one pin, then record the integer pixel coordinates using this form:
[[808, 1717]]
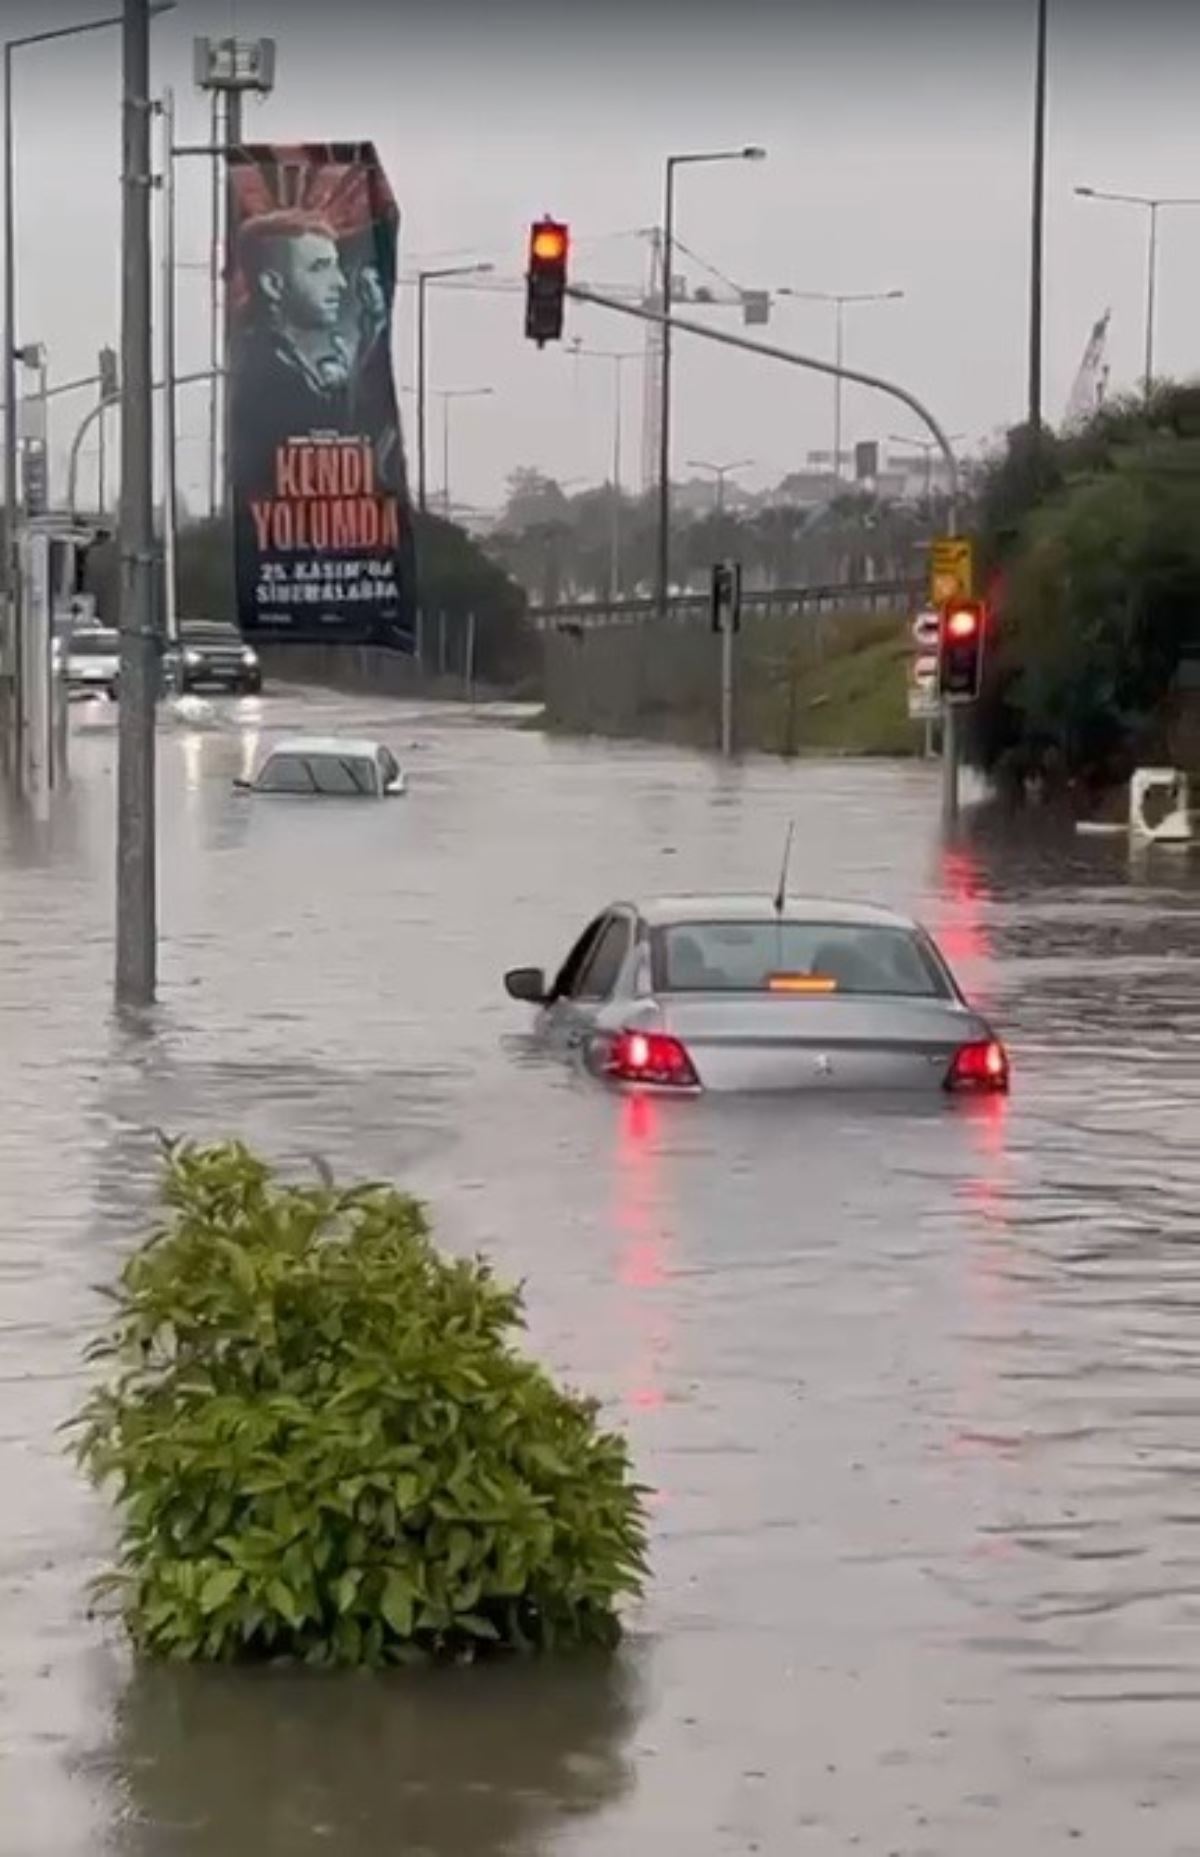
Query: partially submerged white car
[[328, 766]]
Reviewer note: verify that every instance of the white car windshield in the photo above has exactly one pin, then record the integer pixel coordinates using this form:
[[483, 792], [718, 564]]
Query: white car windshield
[[795, 957], [317, 773]]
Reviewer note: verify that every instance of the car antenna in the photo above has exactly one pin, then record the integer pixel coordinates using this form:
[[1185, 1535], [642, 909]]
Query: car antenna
[[781, 892]]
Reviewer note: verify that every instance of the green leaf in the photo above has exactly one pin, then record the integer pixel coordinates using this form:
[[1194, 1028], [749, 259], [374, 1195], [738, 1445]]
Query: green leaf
[[399, 1596], [219, 1588], [284, 1601]]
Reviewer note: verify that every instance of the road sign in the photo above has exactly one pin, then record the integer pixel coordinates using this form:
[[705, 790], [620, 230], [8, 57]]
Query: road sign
[[927, 629], [725, 596], [951, 570], [924, 668], [924, 701]]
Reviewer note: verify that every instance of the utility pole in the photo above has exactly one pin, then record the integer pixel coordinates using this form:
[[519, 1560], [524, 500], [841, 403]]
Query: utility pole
[[170, 493], [1037, 227], [136, 951]]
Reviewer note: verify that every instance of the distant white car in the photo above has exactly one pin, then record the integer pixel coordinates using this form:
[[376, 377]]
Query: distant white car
[[93, 661], [328, 766]]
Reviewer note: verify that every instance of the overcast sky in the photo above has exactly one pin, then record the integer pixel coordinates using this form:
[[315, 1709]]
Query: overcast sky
[[898, 138]]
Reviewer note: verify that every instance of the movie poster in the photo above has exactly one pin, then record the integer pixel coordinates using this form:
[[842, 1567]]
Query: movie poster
[[323, 533]]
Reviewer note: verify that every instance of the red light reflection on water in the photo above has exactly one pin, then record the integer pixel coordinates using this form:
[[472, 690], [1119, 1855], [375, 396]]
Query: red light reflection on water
[[642, 1258]]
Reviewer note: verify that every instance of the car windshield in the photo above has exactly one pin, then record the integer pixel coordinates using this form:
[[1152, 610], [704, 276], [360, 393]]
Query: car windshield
[[795, 957], [93, 645], [200, 633], [317, 773]]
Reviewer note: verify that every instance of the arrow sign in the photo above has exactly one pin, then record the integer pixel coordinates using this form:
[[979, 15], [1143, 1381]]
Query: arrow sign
[[926, 628]]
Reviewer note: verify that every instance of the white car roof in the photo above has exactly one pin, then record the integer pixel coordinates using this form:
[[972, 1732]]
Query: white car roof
[[335, 747]]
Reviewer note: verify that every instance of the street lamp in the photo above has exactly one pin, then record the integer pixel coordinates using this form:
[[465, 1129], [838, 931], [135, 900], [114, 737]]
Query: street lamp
[[840, 299], [425, 278], [720, 472], [749, 153], [1150, 203], [446, 395], [928, 446], [618, 357]]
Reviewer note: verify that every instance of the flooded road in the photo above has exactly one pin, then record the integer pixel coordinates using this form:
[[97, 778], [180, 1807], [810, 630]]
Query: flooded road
[[917, 1390]]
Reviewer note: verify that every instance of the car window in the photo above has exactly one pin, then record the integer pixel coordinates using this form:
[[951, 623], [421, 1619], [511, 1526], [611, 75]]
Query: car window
[[94, 645], [564, 983], [286, 773], [598, 974], [754, 957]]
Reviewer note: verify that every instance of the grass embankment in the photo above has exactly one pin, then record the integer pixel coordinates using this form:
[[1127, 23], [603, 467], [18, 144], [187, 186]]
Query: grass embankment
[[843, 694]]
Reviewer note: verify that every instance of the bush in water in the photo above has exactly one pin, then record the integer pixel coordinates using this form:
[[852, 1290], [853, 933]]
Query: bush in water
[[325, 1446]]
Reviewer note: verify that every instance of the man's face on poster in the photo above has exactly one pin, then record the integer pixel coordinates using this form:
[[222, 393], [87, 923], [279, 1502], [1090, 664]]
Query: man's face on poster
[[306, 282]]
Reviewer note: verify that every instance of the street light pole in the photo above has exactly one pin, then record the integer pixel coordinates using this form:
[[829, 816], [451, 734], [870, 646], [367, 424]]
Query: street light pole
[[749, 153], [1151, 205], [618, 357], [136, 928], [1037, 220], [425, 278], [446, 395], [839, 299], [720, 472]]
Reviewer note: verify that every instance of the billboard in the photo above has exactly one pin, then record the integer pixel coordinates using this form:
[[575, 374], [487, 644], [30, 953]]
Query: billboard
[[322, 521]]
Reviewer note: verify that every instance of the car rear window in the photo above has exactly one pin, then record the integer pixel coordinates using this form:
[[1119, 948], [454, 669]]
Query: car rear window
[[93, 645], [317, 773], [795, 958]]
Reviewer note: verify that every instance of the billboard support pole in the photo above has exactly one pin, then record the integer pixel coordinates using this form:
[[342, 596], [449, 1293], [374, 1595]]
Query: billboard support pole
[[136, 926]]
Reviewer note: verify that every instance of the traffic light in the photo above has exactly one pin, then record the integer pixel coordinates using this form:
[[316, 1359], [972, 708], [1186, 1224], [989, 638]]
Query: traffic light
[[960, 649], [546, 281]]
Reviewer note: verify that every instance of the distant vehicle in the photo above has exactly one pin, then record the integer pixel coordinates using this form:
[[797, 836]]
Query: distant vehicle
[[748, 993], [216, 656], [93, 661], [331, 766]]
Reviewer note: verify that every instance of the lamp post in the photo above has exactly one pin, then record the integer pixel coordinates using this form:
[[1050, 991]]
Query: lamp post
[[1151, 204], [839, 299], [425, 278], [447, 395], [50, 34], [618, 357], [720, 472], [749, 153], [929, 447]]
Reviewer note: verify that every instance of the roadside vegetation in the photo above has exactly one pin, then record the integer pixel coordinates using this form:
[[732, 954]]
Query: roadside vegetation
[[1091, 545], [324, 1446]]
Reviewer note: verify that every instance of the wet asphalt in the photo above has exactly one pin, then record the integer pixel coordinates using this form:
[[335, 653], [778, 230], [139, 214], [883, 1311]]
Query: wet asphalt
[[916, 1388]]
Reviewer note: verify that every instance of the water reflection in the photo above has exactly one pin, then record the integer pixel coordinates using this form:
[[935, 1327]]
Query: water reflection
[[451, 1763]]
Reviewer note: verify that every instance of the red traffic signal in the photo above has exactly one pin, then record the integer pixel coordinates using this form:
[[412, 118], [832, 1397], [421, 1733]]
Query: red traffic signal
[[546, 280], [960, 649]]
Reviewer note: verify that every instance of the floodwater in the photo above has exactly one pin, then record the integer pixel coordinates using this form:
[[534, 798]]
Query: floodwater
[[917, 1391]]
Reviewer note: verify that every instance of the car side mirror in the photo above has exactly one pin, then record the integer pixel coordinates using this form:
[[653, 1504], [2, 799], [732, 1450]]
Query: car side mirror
[[527, 983]]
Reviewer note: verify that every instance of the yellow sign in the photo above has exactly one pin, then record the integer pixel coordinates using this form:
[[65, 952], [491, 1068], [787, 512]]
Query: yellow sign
[[951, 569]]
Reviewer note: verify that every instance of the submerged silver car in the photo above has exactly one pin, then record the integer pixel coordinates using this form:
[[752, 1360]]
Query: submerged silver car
[[701, 993]]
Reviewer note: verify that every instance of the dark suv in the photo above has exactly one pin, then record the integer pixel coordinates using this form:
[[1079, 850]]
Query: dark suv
[[216, 656]]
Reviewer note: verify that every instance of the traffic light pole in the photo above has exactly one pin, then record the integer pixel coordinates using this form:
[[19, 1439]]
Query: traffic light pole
[[834, 370], [951, 755]]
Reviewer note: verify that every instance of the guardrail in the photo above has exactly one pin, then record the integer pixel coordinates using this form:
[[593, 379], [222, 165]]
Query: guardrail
[[868, 596]]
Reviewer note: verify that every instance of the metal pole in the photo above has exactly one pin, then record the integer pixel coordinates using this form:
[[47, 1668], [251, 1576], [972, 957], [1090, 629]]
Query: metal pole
[[837, 394], [663, 577], [727, 686], [11, 576], [233, 142], [102, 461], [421, 391], [136, 926], [614, 539], [214, 309], [446, 457], [170, 516], [470, 657], [1151, 267], [950, 759], [1037, 225]]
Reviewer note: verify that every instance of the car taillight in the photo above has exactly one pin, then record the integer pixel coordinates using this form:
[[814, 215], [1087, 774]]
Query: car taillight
[[651, 1057], [982, 1065]]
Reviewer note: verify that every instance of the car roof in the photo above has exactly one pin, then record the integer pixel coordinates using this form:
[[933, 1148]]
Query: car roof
[[676, 911], [357, 747]]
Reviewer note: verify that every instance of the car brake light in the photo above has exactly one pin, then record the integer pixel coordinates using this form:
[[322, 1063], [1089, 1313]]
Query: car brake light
[[982, 1065], [651, 1057]]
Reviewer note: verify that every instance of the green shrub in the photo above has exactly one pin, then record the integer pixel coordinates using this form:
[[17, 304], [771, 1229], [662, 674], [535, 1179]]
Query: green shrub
[[325, 1446]]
